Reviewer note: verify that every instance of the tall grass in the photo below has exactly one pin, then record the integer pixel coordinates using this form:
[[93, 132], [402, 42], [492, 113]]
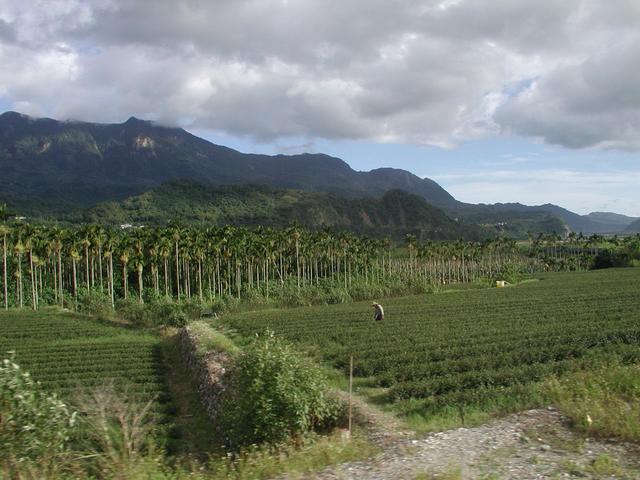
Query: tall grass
[[603, 402]]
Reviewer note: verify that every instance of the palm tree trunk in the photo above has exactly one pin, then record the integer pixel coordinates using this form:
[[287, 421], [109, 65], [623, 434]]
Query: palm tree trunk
[[86, 259], [40, 287], [55, 278], [32, 274], [166, 278], [61, 294], [4, 272], [20, 280], [124, 280], [110, 273], [298, 264], [200, 279], [100, 267], [140, 284], [177, 272], [75, 284]]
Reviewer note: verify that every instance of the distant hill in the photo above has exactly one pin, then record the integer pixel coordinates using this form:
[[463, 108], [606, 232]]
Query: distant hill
[[596, 222], [395, 214], [633, 227], [537, 216], [512, 220], [55, 168], [90, 162]]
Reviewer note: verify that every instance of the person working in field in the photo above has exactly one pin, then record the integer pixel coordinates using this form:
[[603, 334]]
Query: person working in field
[[378, 312]]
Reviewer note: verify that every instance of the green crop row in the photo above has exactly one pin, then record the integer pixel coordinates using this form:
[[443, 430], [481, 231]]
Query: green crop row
[[455, 347], [65, 352]]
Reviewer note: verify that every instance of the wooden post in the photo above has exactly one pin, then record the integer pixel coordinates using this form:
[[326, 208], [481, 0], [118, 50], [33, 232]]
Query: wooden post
[[350, 388]]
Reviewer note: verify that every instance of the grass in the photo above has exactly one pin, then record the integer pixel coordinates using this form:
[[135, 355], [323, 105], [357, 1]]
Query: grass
[[208, 338], [603, 402], [449, 474], [317, 452]]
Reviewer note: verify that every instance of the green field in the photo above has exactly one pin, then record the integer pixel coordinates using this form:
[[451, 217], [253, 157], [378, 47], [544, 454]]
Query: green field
[[471, 349], [65, 351]]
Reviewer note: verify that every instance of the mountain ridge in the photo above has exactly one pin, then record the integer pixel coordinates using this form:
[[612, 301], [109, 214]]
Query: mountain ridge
[[137, 155], [76, 162]]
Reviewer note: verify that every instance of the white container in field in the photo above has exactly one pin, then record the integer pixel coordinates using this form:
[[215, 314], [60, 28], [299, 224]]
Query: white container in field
[[501, 283]]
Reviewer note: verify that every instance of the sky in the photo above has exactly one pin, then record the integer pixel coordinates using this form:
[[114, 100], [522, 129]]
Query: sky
[[535, 101]]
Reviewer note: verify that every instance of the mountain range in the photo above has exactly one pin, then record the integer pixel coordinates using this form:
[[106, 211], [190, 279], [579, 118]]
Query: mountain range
[[61, 166]]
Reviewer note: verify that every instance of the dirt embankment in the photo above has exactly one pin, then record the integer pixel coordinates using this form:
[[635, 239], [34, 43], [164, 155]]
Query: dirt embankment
[[208, 368]]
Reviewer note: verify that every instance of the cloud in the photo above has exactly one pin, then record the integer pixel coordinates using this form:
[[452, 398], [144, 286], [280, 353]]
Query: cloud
[[595, 103], [431, 72]]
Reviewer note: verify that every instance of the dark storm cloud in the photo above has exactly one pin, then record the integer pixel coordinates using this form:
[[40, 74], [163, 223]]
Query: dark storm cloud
[[431, 72]]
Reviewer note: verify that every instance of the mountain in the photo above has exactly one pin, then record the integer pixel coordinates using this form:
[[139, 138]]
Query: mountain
[[611, 222], [56, 167], [394, 214], [596, 222], [633, 227], [89, 162], [510, 219]]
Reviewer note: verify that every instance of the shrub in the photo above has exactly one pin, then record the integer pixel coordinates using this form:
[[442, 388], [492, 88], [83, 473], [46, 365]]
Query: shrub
[[273, 393], [34, 425], [94, 303], [131, 310], [167, 312]]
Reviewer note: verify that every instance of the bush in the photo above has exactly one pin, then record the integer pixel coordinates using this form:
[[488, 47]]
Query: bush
[[273, 394], [33, 424], [167, 312], [94, 303], [132, 311]]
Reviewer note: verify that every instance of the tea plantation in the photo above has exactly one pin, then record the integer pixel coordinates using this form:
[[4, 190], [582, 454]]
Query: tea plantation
[[484, 348], [65, 351]]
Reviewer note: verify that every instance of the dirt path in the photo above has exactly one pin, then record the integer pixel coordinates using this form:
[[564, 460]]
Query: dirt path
[[535, 444]]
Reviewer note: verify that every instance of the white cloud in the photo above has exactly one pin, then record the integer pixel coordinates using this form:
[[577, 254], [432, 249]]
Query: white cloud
[[430, 72]]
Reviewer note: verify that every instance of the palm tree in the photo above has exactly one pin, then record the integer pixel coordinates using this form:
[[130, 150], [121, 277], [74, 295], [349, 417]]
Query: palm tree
[[58, 236], [109, 246], [125, 256], [85, 241], [4, 231], [165, 253], [29, 241], [176, 232], [138, 239], [74, 253]]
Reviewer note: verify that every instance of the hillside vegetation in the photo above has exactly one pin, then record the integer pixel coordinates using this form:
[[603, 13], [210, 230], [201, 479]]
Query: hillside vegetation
[[395, 214]]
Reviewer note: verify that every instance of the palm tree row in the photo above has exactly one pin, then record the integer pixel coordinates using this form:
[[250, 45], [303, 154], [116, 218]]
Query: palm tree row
[[52, 265]]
